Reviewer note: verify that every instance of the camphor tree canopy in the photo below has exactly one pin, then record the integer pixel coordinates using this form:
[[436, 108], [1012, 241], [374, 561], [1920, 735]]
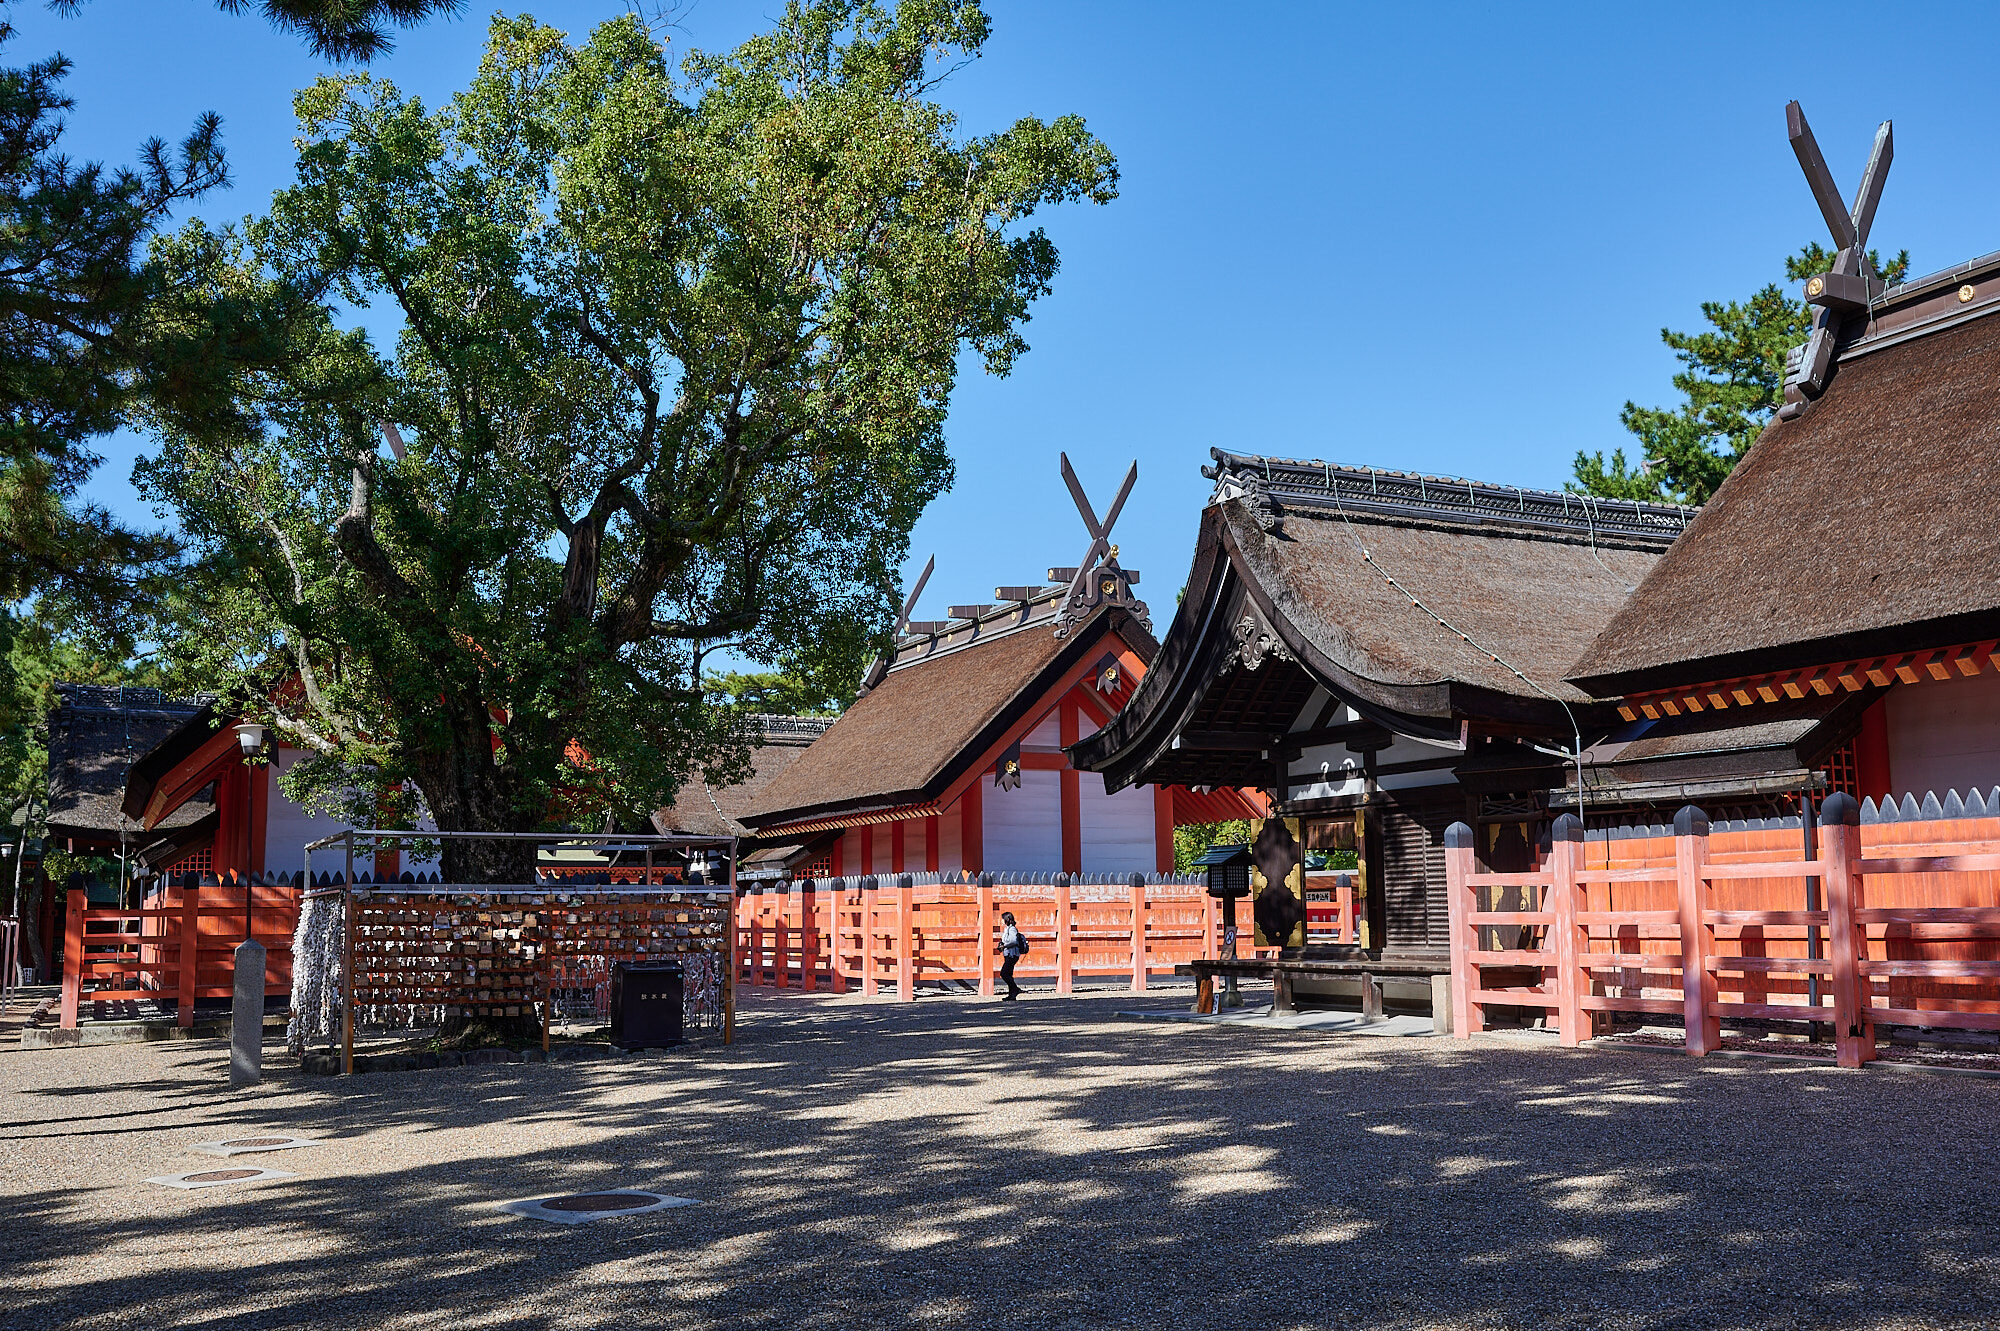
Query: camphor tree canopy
[[676, 346]]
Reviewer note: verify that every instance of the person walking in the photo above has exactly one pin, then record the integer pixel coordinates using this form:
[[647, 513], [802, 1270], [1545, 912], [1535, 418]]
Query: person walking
[[1013, 945]]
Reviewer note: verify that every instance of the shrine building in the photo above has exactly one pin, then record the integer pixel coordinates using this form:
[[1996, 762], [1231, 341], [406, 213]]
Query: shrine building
[[951, 760]]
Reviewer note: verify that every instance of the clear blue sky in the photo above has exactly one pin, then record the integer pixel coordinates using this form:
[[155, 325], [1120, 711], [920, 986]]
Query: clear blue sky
[[1440, 239]]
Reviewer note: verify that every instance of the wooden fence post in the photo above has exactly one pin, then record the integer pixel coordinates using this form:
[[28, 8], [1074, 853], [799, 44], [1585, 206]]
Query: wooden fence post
[[190, 954], [1461, 900], [1840, 848], [756, 899], [809, 936], [871, 981], [836, 935], [1565, 861], [1698, 986], [1138, 933], [72, 985], [1065, 964], [906, 941], [784, 937], [985, 936]]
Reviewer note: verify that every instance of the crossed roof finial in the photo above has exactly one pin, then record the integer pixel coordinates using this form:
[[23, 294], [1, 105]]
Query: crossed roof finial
[[1097, 577], [1852, 283]]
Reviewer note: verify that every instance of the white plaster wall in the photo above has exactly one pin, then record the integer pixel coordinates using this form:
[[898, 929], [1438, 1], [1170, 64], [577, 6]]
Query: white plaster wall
[[1023, 828], [1944, 735], [1047, 733], [951, 839], [1117, 829], [287, 828]]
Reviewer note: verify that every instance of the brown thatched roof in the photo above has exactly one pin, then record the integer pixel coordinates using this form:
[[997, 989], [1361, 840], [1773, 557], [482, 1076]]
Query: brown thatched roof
[[916, 732], [1859, 528], [1422, 601], [704, 809], [95, 737]]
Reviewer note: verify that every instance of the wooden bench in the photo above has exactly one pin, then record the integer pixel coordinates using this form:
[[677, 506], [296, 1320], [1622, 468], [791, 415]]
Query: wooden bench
[[1283, 973]]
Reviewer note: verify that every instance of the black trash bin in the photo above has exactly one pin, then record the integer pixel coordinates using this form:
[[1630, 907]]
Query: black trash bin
[[646, 1006]]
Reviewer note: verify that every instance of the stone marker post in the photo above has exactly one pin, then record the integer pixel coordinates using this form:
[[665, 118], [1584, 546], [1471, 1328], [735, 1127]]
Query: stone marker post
[[246, 1027]]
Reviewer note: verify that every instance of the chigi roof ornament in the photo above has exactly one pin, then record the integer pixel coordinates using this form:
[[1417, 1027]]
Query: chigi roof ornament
[[1098, 578], [1844, 295]]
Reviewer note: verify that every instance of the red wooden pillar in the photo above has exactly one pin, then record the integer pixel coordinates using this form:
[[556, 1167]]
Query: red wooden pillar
[[972, 825], [837, 858], [784, 939], [1461, 861], [865, 834], [1840, 851], [896, 852], [1565, 860], [871, 980], [906, 942], [988, 921], [190, 955], [931, 844], [809, 951], [72, 981], [1072, 790], [836, 935], [232, 821], [1163, 829], [756, 899], [1138, 933], [1698, 989], [1065, 963]]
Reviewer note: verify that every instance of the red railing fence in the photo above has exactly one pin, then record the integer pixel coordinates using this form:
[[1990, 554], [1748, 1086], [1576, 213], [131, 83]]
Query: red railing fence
[[178, 950], [865, 933], [1879, 925]]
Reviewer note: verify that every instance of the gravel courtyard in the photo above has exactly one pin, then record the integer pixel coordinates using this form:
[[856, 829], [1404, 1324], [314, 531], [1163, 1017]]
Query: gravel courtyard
[[1041, 1164]]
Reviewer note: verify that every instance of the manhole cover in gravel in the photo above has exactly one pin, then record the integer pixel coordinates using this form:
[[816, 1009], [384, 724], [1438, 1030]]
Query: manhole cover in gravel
[[586, 1206], [215, 1178], [245, 1145], [599, 1201]]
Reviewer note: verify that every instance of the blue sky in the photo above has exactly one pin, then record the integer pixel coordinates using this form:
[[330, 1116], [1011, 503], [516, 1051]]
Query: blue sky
[[1433, 238]]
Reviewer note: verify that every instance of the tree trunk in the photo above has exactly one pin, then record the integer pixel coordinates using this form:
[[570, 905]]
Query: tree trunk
[[479, 802], [30, 912]]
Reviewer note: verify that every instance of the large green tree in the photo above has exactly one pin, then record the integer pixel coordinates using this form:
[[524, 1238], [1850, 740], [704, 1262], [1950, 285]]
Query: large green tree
[[1732, 379], [76, 344], [675, 351]]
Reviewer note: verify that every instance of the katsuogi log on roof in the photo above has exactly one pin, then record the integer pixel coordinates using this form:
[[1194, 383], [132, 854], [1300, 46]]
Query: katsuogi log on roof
[[936, 711], [1415, 603]]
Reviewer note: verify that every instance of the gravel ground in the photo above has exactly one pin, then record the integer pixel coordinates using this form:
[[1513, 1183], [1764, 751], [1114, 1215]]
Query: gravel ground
[[958, 1162]]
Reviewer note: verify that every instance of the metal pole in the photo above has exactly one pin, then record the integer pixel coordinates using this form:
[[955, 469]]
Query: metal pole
[[347, 963]]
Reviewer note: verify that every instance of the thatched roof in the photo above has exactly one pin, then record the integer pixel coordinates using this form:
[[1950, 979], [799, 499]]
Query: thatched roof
[[95, 737], [1858, 528], [1421, 601], [946, 699], [709, 810]]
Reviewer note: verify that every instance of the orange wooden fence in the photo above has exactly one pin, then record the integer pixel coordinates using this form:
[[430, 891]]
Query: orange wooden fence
[[1887, 924], [843, 934], [178, 949]]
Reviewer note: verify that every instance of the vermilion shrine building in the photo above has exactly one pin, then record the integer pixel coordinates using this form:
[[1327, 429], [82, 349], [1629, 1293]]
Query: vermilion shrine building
[[952, 759], [1850, 560]]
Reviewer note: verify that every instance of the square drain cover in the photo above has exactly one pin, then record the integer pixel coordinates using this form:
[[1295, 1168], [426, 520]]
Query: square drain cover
[[216, 1178], [577, 1208], [248, 1145]]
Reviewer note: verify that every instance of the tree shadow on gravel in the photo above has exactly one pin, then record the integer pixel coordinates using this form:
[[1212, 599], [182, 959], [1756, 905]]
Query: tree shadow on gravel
[[1043, 1164]]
